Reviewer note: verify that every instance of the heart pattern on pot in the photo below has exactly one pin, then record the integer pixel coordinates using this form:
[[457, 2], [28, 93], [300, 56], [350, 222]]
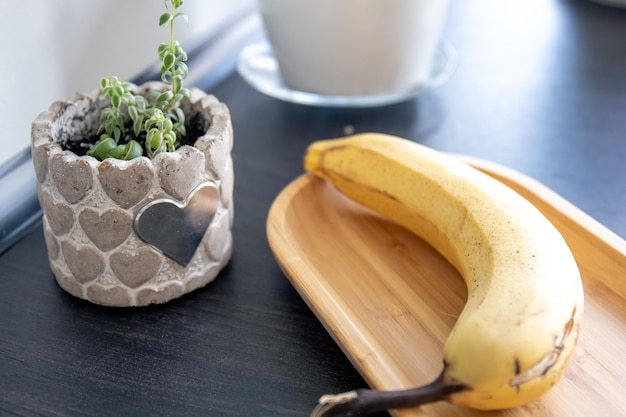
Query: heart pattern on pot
[[135, 269], [71, 176], [60, 216], [176, 229], [106, 230], [85, 263], [126, 184]]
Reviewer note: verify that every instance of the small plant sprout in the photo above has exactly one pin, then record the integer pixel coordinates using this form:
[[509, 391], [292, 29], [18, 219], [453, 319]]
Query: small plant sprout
[[157, 119]]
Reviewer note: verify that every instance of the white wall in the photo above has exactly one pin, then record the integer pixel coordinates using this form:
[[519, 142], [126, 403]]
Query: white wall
[[53, 48]]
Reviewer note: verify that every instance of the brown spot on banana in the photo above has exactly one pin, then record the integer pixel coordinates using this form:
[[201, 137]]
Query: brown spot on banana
[[546, 362]]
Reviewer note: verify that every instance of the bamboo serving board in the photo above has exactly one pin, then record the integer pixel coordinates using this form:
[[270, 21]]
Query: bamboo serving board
[[389, 300]]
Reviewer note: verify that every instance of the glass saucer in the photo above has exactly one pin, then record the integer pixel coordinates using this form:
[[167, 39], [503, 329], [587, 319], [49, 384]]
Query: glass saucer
[[259, 68]]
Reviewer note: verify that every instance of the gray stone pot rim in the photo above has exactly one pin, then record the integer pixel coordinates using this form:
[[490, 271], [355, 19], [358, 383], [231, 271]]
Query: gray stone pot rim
[[218, 123]]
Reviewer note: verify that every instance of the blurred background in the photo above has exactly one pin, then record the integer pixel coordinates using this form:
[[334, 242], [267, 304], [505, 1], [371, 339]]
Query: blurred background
[[53, 49]]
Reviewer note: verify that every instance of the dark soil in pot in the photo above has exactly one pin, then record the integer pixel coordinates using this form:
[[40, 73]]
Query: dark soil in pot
[[195, 128]]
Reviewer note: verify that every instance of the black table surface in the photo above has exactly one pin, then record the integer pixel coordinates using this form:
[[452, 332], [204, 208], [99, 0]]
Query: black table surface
[[540, 87]]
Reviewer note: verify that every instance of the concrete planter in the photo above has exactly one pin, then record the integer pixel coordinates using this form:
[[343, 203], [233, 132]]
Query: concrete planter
[[104, 245]]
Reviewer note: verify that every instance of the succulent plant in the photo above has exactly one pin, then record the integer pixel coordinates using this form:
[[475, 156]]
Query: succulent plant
[[156, 120]]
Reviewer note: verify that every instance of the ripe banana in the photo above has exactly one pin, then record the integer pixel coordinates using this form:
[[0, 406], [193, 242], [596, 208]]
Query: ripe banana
[[519, 328]]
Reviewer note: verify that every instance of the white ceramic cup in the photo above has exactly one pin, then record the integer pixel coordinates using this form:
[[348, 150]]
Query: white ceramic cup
[[354, 47]]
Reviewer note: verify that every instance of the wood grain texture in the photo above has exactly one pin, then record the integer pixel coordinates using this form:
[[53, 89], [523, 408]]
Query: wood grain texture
[[389, 300]]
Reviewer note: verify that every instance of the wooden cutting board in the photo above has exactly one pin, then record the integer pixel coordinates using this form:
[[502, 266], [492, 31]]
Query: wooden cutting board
[[389, 300]]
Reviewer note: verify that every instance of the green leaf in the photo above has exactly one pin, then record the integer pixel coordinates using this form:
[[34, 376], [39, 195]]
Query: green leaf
[[106, 113], [117, 152], [163, 48], [140, 103], [183, 16], [165, 73], [182, 69], [180, 115], [138, 125], [154, 139], [164, 18], [177, 84], [164, 97], [133, 113], [101, 149], [116, 101], [168, 60], [108, 126], [128, 99], [132, 150], [117, 133], [170, 139]]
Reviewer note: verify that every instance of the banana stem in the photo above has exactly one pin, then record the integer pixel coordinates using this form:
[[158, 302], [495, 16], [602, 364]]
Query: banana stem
[[366, 401]]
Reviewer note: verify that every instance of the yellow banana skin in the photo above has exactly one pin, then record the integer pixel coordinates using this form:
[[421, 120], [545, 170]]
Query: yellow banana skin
[[519, 328]]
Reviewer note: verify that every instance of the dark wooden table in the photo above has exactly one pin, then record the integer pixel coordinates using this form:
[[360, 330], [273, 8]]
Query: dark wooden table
[[540, 87]]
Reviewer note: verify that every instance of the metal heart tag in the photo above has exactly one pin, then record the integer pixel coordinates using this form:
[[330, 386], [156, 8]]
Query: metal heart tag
[[177, 229]]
